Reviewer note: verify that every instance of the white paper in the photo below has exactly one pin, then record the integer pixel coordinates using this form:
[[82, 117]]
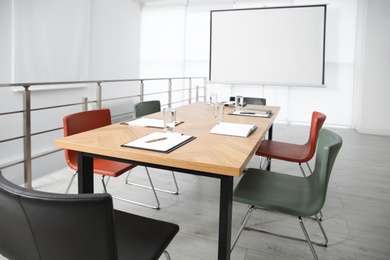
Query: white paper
[[149, 122], [225, 128], [172, 140]]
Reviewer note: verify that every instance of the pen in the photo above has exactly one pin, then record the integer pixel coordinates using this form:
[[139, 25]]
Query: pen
[[155, 140]]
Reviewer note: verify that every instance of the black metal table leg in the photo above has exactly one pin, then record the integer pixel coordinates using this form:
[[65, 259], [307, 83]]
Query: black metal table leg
[[85, 173], [270, 131], [225, 217]]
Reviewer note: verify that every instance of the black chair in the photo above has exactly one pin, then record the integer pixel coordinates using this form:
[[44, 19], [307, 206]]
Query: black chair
[[41, 225], [252, 100]]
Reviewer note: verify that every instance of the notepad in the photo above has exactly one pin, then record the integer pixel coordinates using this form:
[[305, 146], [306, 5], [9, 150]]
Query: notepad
[[149, 122], [160, 142], [234, 129]]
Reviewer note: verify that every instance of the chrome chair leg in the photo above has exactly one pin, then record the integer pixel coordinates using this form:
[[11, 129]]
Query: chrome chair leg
[[308, 166], [167, 256], [70, 183], [176, 192], [132, 201], [264, 165], [322, 230], [307, 238], [246, 214], [104, 184], [245, 220], [303, 172]]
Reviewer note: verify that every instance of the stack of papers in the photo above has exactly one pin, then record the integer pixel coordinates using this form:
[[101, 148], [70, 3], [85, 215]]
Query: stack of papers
[[150, 122], [224, 128], [160, 141], [252, 112]]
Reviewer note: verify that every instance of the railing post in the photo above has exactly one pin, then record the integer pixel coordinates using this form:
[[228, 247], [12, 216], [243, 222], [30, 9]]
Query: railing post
[[85, 104], [141, 91], [170, 93], [27, 137], [99, 96], [197, 93], [190, 89], [204, 89]]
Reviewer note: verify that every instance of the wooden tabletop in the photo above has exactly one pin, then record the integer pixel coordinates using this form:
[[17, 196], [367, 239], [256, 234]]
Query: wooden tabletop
[[219, 154]]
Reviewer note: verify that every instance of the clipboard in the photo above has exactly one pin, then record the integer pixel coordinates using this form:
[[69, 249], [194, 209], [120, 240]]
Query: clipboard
[[160, 142]]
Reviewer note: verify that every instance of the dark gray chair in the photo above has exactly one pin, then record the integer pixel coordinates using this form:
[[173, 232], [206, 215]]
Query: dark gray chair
[[47, 226], [252, 100], [147, 107]]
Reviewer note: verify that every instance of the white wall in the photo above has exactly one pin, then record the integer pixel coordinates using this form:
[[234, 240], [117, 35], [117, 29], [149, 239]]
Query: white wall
[[114, 39], [114, 47], [114, 51], [372, 73], [6, 41]]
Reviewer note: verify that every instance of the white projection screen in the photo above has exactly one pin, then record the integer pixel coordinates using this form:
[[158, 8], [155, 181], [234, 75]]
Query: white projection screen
[[268, 46]]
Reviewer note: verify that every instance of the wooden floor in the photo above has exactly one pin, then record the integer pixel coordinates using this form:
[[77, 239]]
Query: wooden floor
[[356, 213]]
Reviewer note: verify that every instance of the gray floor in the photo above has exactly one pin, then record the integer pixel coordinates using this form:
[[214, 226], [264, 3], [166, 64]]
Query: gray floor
[[356, 213]]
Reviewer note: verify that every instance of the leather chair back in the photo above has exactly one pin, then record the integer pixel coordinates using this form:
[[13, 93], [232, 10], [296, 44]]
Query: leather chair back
[[39, 225], [81, 122], [146, 108], [317, 120]]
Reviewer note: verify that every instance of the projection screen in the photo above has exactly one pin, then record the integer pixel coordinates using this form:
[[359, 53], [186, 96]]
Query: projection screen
[[268, 46]]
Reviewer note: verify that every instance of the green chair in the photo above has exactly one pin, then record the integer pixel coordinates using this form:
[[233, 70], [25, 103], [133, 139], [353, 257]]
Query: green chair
[[293, 195], [147, 107], [143, 109]]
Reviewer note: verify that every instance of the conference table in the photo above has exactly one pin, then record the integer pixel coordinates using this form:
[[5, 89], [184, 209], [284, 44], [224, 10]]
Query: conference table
[[217, 156]]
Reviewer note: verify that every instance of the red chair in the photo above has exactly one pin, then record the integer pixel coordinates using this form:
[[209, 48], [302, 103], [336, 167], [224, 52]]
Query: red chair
[[88, 120], [299, 153]]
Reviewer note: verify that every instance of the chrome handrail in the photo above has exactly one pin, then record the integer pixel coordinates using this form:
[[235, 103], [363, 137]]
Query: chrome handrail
[[27, 134]]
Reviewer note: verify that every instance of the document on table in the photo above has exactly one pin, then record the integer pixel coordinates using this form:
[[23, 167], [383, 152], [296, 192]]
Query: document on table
[[252, 112], [149, 122], [225, 128], [160, 141]]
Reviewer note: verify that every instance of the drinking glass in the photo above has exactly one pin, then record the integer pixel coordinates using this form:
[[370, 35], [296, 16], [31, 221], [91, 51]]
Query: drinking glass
[[212, 99], [169, 116], [218, 111], [239, 103]]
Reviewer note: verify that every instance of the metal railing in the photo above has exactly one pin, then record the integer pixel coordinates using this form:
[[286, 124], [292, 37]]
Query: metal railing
[[187, 89]]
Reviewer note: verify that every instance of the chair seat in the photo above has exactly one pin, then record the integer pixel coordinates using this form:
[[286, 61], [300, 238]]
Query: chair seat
[[272, 190], [144, 238], [107, 167], [284, 151], [111, 168]]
